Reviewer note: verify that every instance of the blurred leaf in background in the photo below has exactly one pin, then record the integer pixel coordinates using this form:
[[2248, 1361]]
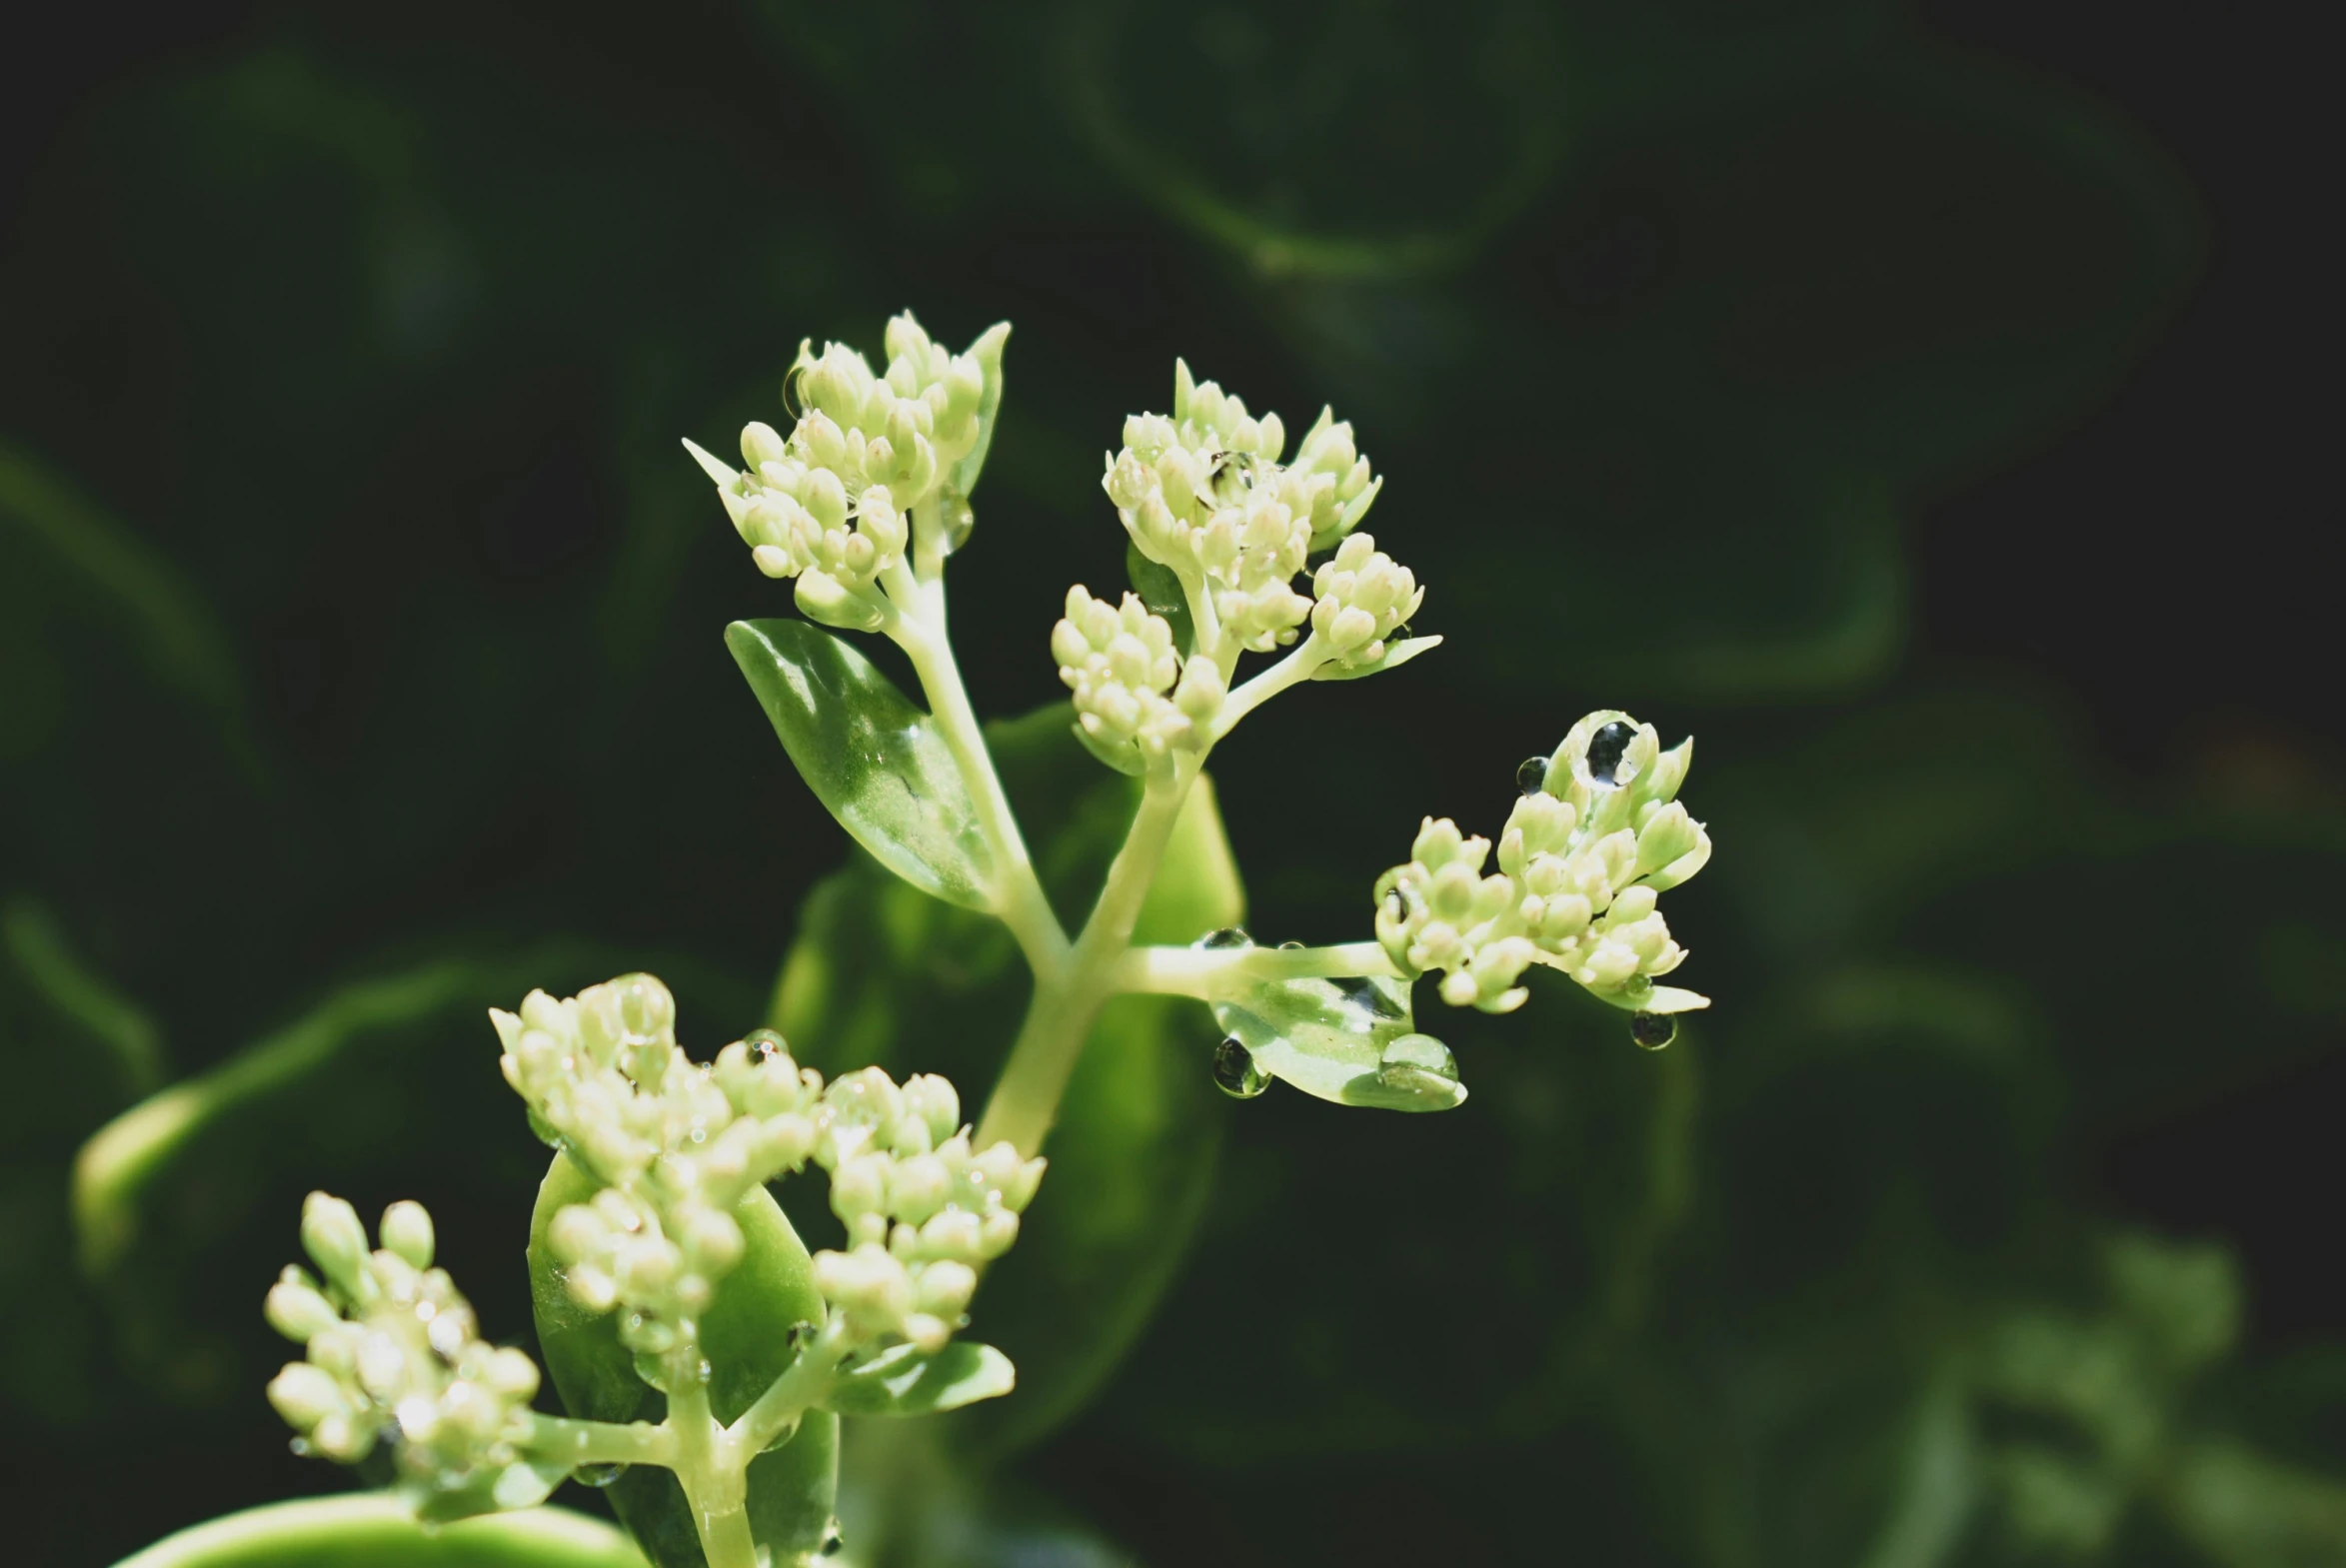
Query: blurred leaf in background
[[362, 666]]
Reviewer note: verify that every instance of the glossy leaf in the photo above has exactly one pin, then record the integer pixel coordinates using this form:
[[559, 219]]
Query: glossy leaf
[[746, 1338], [1350, 1042], [375, 1530], [879, 974], [902, 1381], [1395, 655], [1161, 589], [522, 1484], [988, 351], [868, 754]]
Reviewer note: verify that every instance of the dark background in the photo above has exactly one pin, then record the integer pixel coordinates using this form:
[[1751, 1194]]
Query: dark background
[[1918, 404]]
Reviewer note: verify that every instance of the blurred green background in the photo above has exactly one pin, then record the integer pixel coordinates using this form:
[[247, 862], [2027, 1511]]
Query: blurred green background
[[1895, 400]]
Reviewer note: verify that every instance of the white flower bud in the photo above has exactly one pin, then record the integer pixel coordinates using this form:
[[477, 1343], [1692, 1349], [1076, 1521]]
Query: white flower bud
[[296, 1309], [943, 1288], [407, 1232], [303, 1396], [334, 1239]]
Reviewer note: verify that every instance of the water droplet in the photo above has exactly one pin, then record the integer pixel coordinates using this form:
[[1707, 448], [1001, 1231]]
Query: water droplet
[[1235, 1072], [299, 1446], [1423, 1052], [1289, 947], [764, 1044], [1531, 775], [834, 1540], [1228, 937], [1605, 751], [599, 1474], [801, 1332], [1654, 1030]]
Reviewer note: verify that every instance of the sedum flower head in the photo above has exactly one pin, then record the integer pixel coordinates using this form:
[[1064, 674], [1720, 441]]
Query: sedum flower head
[[392, 1353], [1120, 662], [677, 1144], [1203, 491], [1596, 836], [1363, 594], [872, 458]]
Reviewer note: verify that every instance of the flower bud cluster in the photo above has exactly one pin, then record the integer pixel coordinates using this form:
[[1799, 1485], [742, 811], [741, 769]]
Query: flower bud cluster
[[1596, 838], [678, 1145], [1120, 662], [392, 1352], [1362, 596], [872, 457], [1202, 491], [921, 1208]]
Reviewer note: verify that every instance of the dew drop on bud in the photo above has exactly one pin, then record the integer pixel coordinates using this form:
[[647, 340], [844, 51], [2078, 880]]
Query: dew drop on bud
[[834, 1540], [1228, 937], [1652, 1030], [1235, 1072], [1290, 946], [1605, 751], [1531, 776]]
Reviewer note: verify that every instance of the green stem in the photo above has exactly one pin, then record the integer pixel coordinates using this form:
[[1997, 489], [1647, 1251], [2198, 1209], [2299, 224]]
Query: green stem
[[1218, 974], [715, 1480], [1067, 995], [920, 631], [565, 1441], [800, 1389], [1303, 659]]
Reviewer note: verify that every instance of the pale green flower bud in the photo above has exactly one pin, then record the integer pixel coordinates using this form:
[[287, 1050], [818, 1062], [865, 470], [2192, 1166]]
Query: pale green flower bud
[[712, 1241], [1120, 663], [1363, 594], [823, 598], [936, 1102], [944, 1289], [762, 443], [859, 1186], [335, 1241], [305, 1396], [296, 1309], [406, 1232]]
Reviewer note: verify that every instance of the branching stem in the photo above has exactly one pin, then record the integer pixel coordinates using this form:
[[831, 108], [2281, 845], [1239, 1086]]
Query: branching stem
[[918, 629], [1067, 997], [1215, 974]]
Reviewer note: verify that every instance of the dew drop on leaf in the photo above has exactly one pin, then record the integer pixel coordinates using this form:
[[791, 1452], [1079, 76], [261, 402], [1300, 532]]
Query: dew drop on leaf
[[1652, 1030], [1235, 1072], [1605, 751]]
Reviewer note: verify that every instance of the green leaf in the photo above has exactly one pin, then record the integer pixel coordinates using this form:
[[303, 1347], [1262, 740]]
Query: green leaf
[[1350, 1042], [522, 1484], [1395, 655], [902, 1381], [376, 1530], [1160, 588], [881, 974], [746, 1337], [988, 351], [869, 756]]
